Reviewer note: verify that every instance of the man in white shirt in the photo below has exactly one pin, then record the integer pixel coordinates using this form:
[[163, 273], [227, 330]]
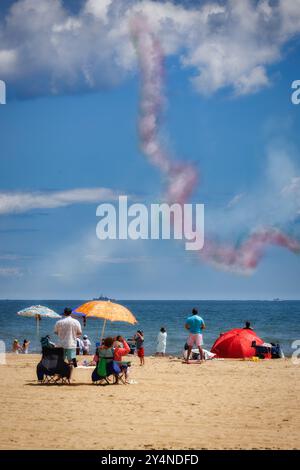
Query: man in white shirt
[[68, 330]]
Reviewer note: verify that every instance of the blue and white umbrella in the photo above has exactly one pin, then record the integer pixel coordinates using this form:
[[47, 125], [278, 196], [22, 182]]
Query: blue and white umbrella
[[38, 312]]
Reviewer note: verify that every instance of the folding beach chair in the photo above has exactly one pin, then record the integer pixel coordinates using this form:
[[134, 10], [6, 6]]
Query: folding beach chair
[[123, 366], [107, 368], [52, 369]]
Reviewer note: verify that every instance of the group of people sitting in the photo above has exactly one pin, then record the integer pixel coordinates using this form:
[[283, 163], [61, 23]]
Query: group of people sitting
[[18, 348], [69, 333], [112, 351]]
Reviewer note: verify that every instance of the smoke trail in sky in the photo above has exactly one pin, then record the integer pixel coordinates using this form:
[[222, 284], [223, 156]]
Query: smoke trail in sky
[[245, 258], [181, 178]]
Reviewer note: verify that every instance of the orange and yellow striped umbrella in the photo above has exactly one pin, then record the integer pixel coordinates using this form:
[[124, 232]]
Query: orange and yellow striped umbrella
[[107, 310]]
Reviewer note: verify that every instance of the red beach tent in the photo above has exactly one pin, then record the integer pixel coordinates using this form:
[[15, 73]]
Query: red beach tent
[[236, 344]]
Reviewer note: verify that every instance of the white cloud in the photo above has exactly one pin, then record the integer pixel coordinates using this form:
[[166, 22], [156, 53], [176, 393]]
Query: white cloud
[[15, 202], [292, 191], [98, 9], [10, 272], [226, 44], [274, 201], [292, 187], [8, 60], [256, 79], [235, 200], [99, 259], [14, 257]]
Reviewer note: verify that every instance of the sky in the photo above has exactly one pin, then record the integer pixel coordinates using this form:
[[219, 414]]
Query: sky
[[70, 141]]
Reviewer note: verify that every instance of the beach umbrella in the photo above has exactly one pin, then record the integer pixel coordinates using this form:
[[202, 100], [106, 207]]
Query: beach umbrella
[[236, 344], [38, 312], [107, 310]]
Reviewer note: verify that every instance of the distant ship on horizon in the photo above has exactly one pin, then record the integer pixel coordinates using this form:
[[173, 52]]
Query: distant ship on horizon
[[103, 297]]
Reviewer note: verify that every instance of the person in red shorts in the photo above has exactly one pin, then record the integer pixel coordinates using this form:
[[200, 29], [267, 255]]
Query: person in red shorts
[[139, 341]]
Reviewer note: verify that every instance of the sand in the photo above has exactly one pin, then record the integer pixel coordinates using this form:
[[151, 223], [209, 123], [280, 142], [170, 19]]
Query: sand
[[216, 405]]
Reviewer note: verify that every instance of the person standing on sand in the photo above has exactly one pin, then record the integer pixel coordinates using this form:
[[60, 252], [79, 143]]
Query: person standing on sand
[[139, 341], [161, 342], [78, 347], [68, 330], [247, 326], [86, 345], [26, 344], [195, 325]]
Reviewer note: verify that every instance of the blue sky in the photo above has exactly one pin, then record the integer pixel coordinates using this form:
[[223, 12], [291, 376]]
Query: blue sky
[[60, 132]]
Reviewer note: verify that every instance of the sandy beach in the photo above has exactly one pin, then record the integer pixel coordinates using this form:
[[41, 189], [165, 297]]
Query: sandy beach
[[216, 405]]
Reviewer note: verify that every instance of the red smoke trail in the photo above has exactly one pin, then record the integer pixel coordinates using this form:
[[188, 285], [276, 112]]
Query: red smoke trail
[[246, 257], [181, 178]]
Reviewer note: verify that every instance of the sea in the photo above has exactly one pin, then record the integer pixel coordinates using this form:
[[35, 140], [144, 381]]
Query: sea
[[273, 321]]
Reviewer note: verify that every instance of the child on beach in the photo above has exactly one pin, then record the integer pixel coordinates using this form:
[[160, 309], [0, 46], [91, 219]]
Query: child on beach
[[25, 347], [139, 341], [86, 344], [16, 347], [78, 347]]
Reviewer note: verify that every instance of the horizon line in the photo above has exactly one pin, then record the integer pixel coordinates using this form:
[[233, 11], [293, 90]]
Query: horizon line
[[158, 300]]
